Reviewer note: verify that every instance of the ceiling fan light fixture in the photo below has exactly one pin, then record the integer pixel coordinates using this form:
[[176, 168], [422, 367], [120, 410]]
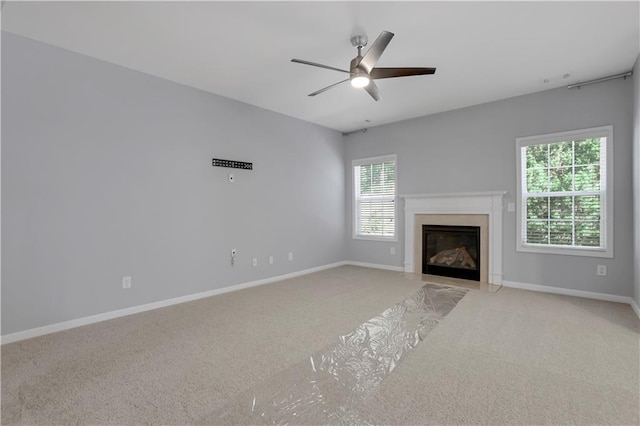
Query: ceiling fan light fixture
[[360, 81], [363, 71]]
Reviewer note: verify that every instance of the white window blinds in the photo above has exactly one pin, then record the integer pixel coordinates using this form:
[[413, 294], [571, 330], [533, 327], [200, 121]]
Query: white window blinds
[[375, 197]]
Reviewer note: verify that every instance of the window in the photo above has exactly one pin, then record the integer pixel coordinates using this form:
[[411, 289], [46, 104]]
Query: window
[[374, 184], [565, 193]]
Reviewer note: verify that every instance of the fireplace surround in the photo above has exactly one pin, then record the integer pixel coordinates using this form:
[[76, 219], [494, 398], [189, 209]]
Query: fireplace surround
[[483, 209]]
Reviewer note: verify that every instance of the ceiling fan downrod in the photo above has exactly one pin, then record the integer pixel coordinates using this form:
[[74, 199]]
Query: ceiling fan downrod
[[358, 77]]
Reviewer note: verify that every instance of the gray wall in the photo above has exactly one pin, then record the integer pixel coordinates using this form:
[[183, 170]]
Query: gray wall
[[636, 178], [106, 172], [473, 149]]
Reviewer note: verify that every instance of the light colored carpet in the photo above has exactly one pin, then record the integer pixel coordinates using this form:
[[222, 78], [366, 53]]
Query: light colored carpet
[[497, 358], [331, 385]]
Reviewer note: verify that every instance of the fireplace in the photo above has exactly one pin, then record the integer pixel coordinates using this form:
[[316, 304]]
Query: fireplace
[[483, 209], [451, 251]]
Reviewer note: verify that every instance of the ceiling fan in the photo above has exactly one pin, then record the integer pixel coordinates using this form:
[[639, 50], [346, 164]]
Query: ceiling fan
[[362, 71]]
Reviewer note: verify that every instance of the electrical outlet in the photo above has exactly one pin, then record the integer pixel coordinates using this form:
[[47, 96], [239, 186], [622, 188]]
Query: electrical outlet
[[126, 282], [255, 261], [392, 250], [270, 260], [511, 207], [290, 255], [601, 270]]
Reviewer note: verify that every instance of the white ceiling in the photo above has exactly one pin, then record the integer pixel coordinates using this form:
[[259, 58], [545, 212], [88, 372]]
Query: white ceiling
[[483, 51]]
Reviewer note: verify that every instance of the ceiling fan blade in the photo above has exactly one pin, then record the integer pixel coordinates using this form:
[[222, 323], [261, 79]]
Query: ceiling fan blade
[[378, 73], [373, 90], [313, 64], [317, 92], [372, 56]]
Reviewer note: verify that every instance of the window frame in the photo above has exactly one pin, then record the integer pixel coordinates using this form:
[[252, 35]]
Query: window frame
[[355, 203], [606, 193]]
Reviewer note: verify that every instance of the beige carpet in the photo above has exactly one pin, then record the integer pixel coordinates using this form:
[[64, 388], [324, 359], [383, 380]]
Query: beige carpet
[[497, 358]]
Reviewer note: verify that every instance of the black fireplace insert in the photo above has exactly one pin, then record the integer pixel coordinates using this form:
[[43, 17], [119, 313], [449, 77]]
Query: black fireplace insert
[[451, 251]]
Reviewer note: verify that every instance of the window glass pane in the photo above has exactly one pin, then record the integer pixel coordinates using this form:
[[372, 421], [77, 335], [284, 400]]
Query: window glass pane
[[536, 156], [381, 179], [561, 233], [587, 207], [560, 179], [587, 178], [588, 234], [365, 179], [561, 207], [390, 175], [560, 154], [538, 208], [537, 232], [537, 181], [587, 151], [377, 183]]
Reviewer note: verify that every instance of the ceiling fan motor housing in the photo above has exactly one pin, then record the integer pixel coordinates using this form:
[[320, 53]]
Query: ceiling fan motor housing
[[354, 70], [358, 41]]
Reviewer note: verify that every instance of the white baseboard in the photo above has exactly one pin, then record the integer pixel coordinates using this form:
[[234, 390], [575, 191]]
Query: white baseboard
[[635, 307], [375, 266], [571, 292], [66, 325]]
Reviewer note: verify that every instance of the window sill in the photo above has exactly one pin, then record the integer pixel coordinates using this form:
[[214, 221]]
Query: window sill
[[393, 239], [568, 251]]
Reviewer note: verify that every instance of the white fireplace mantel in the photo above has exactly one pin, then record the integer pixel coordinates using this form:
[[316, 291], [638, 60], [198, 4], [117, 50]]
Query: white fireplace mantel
[[485, 203]]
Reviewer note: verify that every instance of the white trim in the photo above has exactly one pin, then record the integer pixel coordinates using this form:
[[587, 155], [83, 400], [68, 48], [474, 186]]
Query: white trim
[[570, 292], [489, 203], [635, 307], [568, 135], [374, 160], [375, 266], [562, 250], [455, 194], [377, 238], [66, 325]]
